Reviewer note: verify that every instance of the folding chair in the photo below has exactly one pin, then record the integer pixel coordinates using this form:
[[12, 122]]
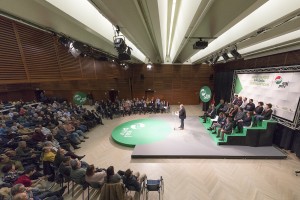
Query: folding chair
[[129, 189], [94, 185], [82, 186], [154, 185]]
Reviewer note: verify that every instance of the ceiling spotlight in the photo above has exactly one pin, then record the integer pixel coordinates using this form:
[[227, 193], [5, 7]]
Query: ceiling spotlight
[[200, 44], [124, 66], [149, 66]]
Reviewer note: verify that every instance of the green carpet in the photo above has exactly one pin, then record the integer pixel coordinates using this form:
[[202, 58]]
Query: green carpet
[[142, 131]]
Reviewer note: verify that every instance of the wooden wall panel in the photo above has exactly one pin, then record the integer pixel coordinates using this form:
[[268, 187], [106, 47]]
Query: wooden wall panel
[[69, 66], [88, 68], [39, 52], [292, 58], [283, 59], [11, 64], [174, 83], [40, 61]]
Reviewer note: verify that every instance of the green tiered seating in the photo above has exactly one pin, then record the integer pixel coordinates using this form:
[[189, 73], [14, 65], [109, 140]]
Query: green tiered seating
[[261, 126]]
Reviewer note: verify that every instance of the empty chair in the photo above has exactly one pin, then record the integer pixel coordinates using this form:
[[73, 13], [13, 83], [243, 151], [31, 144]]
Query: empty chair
[[154, 185]]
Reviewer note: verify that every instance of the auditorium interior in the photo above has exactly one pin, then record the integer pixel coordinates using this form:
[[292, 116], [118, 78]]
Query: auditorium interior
[[109, 50]]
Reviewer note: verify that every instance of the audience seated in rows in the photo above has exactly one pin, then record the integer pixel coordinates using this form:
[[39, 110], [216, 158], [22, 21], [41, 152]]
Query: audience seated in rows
[[240, 113]]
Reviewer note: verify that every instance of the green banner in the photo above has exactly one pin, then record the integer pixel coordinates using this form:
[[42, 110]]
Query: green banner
[[205, 94], [79, 98]]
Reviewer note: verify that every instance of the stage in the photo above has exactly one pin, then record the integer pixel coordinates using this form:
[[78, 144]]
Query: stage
[[192, 142]]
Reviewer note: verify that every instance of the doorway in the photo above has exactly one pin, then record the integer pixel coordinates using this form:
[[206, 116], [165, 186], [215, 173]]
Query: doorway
[[113, 94]]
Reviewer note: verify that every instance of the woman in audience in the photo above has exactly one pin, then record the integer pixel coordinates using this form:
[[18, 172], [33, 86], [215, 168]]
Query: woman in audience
[[94, 176], [10, 174], [25, 179], [111, 176]]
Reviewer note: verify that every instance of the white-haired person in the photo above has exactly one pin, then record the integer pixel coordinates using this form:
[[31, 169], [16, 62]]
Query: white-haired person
[[182, 116]]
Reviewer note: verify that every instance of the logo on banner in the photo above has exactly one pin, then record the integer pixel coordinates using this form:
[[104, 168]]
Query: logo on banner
[[79, 98], [278, 81], [205, 94]]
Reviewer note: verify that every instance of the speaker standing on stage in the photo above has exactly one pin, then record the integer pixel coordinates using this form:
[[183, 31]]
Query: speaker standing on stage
[[182, 116]]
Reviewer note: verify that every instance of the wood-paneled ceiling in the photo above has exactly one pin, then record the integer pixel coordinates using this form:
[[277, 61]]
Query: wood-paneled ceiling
[[158, 29]]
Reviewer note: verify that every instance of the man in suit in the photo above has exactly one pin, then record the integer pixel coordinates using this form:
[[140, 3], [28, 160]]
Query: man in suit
[[211, 113], [182, 116], [227, 129]]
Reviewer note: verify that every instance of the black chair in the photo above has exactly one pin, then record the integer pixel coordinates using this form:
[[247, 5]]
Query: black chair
[[154, 185], [95, 185], [83, 186], [129, 189]]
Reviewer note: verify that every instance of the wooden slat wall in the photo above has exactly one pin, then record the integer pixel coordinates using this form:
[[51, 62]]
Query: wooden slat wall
[[33, 59], [39, 53], [175, 83], [11, 65], [283, 59], [69, 66]]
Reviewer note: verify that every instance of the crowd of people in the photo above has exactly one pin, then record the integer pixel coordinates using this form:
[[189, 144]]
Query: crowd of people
[[239, 113], [109, 109], [38, 142]]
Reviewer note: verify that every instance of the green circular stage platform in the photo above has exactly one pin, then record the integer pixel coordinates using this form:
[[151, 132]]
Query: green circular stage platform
[[142, 131]]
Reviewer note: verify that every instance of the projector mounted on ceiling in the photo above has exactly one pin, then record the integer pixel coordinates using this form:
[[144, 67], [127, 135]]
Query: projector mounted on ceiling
[[200, 44]]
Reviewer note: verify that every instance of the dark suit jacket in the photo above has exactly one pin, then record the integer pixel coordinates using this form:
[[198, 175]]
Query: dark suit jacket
[[212, 114], [247, 121], [267, 114], [182, 114], [228, 127]]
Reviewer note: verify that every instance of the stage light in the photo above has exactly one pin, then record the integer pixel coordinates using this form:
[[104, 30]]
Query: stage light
[[200, 44], [235, 53], [215, 59], [120, 44], [64, 41], [75, 52], [124, 66], [149, 66], [125, 55], [207, 62], [225, 56]]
